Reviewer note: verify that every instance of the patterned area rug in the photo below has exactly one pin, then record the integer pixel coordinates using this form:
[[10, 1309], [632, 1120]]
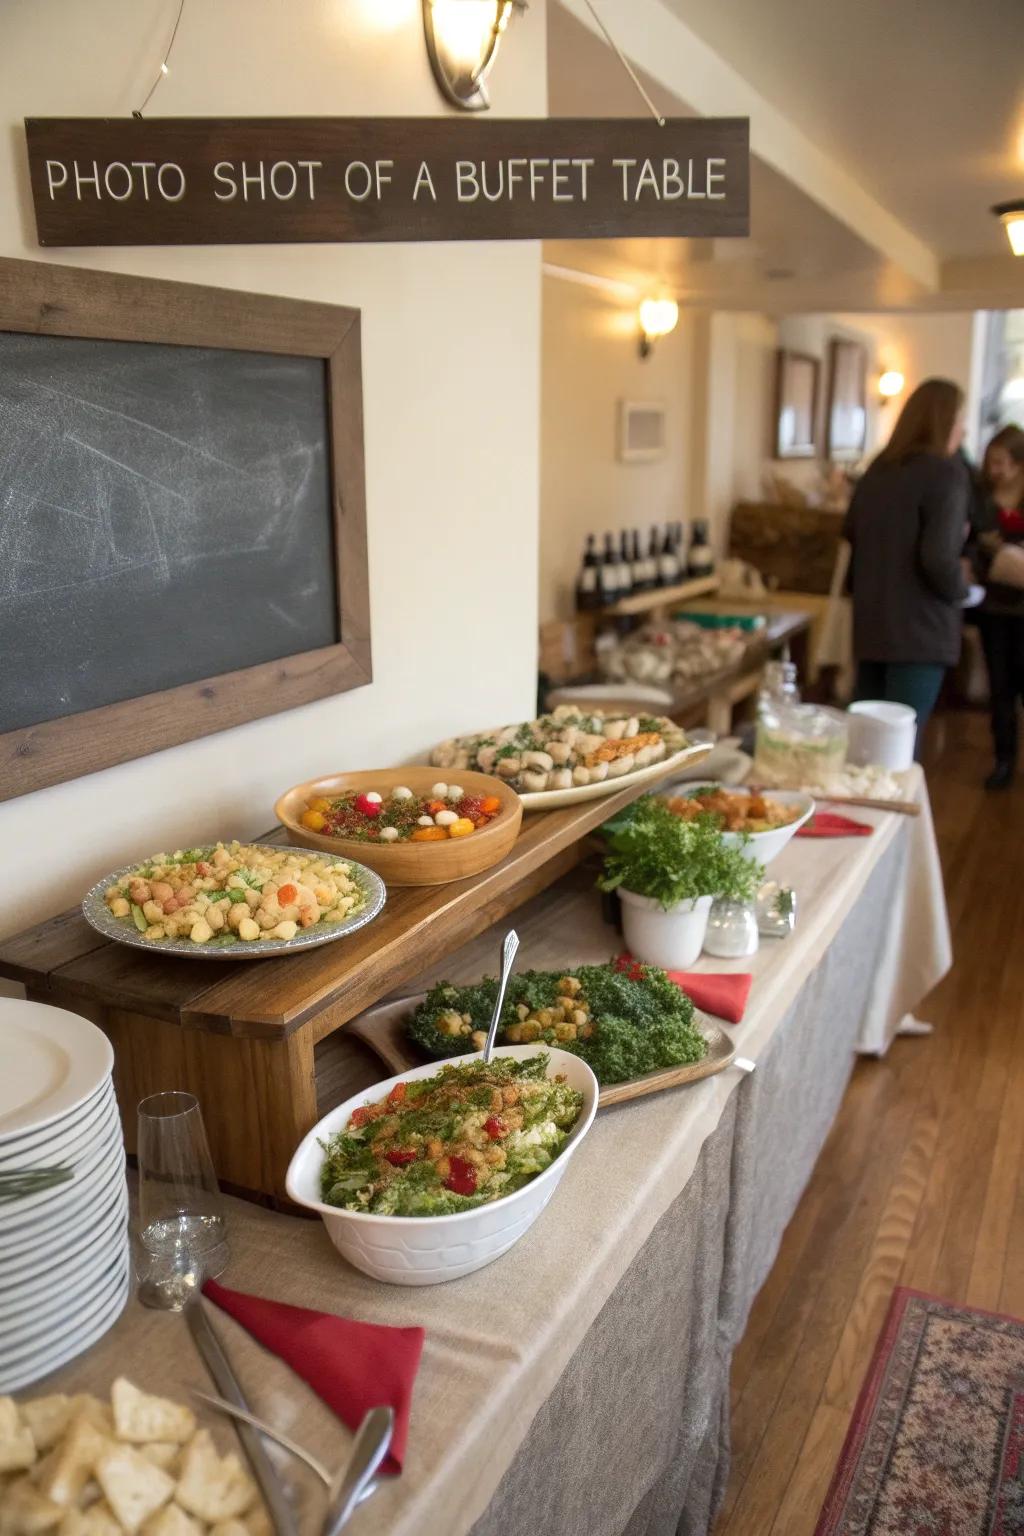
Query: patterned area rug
[[936, 1444]]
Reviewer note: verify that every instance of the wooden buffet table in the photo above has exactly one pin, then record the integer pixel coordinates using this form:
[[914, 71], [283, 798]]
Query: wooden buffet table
[[253, 1039], [579, 1385]]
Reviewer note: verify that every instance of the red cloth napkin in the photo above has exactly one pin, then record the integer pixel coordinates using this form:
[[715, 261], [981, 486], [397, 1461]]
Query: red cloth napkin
[[353, 1366], [831, 824], [723, 993]]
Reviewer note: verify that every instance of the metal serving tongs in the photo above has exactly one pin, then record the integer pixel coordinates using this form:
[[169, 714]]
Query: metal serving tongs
[[354, 1482], [508, 955]]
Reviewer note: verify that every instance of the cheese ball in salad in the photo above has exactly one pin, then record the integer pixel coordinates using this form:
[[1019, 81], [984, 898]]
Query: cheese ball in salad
[[234, 893], [401, 816]]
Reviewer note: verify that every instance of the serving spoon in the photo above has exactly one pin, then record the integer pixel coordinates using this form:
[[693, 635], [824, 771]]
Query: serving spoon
[[508, 955], [354, 1482]]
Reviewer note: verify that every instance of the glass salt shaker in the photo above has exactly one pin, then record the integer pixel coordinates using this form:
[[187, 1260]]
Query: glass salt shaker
[[732, 930]]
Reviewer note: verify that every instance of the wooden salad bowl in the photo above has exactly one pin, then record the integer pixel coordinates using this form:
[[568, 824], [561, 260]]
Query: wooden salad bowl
[[408, 863]]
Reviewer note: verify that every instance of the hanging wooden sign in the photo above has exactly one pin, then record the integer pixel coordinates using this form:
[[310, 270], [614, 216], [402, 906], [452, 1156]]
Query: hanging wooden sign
[[216, 181]]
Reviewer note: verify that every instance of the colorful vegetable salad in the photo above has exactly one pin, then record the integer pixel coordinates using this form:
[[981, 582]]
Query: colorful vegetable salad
[[367, 817], [443, 1144]]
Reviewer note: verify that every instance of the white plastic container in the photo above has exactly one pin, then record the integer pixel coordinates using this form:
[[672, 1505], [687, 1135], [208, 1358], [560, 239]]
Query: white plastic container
[[424, 1250], [671, 939], [882, 733]]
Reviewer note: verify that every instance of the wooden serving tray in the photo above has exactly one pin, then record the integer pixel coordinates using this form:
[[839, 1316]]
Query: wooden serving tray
[[382, 1029]]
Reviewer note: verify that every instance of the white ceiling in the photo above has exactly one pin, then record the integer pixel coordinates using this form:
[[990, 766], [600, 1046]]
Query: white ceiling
[[922, 101], [792, 239]]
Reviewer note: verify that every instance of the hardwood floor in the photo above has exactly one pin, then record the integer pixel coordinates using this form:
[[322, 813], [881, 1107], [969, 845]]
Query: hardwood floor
[[921, 1182]]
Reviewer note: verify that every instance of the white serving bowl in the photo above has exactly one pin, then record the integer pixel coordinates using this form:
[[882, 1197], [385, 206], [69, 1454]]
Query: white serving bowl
[[424, 1250], [762, 847]]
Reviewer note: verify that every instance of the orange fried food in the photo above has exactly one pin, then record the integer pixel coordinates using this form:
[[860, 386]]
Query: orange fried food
[[608, 751]]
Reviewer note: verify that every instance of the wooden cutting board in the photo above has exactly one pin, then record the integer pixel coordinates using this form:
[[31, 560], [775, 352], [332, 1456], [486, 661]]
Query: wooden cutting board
[[383, 1030]]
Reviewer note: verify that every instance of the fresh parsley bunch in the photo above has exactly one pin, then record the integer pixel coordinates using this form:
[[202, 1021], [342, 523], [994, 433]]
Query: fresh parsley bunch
[[654, 853]]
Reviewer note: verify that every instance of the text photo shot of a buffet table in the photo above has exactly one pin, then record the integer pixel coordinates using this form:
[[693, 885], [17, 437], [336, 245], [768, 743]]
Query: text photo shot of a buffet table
[[601, 1199]]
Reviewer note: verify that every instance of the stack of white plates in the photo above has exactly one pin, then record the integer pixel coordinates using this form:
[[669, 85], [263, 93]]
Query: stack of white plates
[[64, 1254]]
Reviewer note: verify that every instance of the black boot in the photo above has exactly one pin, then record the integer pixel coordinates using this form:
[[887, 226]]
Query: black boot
[[1001, 776]]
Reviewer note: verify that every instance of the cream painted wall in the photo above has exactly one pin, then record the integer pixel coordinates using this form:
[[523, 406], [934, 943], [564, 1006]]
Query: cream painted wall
[[922, 347], [590, 363], [736, 414], [451, 345]]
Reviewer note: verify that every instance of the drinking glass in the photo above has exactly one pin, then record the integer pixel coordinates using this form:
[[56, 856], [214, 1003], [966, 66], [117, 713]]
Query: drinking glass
[[181, 1213]]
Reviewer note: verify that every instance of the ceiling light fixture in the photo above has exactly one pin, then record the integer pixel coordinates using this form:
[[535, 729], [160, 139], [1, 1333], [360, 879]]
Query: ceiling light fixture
[[463, 38], [1012, 215], [657, 318], [890, 384]]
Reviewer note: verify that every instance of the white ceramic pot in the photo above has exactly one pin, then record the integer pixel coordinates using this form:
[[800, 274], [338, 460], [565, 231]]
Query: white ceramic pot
[[671, 939], [882, 733], [423, 1250]]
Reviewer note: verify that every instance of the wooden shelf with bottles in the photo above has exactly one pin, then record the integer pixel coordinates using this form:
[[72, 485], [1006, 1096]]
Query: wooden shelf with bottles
[[659, 597]]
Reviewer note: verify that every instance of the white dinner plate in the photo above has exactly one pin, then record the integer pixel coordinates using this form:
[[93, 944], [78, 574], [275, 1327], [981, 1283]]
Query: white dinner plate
[[67, 1150], [123, 931], [20, 1149], [70, 1246], [98, 1152], [77, 1198], [52, 1062], [60, 1291], [553, 799], [70, 1326], [22, 1374]]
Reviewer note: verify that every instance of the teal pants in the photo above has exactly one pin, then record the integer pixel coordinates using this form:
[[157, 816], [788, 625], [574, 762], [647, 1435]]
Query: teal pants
[[902, 683]]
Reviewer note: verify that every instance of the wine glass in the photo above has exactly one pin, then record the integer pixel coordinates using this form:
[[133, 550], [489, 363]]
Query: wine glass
[[181, 1210]]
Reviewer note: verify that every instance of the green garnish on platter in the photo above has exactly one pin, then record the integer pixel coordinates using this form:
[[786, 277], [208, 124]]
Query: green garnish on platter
[[622, 1022]]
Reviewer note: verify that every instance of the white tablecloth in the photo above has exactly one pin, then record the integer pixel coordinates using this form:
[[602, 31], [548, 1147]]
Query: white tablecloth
[[500, 1341]]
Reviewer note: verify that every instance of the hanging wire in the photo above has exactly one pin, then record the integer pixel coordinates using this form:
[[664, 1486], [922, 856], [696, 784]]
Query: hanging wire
[[627, 66], [163, 62]]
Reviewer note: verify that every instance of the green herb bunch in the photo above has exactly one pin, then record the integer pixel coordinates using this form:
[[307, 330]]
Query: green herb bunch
[[654, 853]]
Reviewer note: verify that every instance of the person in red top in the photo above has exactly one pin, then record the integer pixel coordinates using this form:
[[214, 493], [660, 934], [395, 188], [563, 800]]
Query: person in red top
[[998, 524]]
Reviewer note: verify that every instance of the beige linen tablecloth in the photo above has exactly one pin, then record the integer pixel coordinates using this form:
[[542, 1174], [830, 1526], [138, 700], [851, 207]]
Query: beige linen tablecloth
[[512, 1352]]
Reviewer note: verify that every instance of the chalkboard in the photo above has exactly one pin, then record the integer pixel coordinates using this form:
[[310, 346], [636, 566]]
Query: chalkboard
[[165, 517]]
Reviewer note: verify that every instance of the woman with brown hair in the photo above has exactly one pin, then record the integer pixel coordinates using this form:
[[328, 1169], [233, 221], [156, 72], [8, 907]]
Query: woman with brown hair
[[906, 526], [997, 534]]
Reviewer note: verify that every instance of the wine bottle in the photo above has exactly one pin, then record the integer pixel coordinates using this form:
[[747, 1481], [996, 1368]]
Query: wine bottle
[[588, 583], [636, 564], [700, 561], [653, 551], [625, 568], [609, 572], [668, 561]]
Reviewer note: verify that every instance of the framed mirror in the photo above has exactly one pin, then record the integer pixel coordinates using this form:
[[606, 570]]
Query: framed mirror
[[796, 404], [846, 414]]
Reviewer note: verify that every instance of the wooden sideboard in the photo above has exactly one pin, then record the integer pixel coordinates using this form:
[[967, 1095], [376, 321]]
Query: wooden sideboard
[[243, 1036]]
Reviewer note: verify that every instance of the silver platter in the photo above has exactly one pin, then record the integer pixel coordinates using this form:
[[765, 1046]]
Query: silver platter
[[96, 912]]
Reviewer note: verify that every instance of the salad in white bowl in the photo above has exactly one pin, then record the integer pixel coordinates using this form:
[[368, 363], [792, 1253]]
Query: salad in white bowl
[[439, 1171]]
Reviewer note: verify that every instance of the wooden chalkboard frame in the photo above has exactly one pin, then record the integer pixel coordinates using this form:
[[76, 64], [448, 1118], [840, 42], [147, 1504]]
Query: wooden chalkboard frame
[[45, 298]]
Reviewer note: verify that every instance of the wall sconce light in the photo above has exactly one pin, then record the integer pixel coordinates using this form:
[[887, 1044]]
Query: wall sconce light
[[463, 38], [1012, 215], [889, 385], [657, 318]]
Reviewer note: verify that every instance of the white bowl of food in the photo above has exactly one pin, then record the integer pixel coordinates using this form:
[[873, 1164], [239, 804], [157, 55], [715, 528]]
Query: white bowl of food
[[769, 818], [411, 1168]]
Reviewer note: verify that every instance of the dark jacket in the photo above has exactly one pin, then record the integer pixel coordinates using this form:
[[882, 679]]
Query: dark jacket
[[906, 525], [981, 548]]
